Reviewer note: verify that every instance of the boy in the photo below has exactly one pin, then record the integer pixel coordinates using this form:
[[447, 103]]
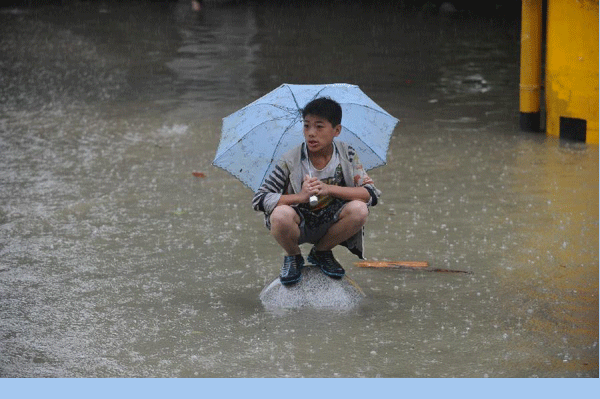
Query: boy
[[330, 170]]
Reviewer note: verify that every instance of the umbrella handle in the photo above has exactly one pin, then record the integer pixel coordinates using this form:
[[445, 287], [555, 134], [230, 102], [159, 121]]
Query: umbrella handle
[[313, 200]]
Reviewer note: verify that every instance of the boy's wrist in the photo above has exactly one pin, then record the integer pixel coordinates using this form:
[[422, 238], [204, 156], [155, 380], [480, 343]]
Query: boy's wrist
[[293, 199]]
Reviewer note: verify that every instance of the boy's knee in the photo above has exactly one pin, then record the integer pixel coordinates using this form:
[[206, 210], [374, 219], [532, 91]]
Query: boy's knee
[[282, 215], [358, 210]]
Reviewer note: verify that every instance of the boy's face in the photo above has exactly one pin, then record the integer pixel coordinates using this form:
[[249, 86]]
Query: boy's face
[[319, 133]]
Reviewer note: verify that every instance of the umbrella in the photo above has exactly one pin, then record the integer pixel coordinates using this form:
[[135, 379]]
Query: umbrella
[[256, 136]]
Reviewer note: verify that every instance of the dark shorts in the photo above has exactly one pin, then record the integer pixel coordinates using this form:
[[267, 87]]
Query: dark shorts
[[314, 225]]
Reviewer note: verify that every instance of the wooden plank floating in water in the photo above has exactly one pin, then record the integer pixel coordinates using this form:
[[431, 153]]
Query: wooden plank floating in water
[[368, 263], [419, 265]]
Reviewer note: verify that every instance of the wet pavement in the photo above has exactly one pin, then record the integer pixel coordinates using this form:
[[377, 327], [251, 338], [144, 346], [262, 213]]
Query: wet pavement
[[116, 260]]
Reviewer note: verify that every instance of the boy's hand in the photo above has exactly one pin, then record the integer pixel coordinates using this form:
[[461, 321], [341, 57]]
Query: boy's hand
[[309, 187], [316, 186], [321, 188]]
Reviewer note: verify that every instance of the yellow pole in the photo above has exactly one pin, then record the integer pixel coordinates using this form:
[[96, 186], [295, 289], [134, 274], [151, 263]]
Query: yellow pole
[[571, 87], [531, 59]]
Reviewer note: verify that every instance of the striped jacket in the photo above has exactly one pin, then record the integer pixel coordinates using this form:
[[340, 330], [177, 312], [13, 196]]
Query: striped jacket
[[286, 178]]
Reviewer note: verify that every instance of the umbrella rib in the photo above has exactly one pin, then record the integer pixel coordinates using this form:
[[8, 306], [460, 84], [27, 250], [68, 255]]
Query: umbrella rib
[[348, 102], [245, 134], [293, 97], [383, 112], [319, 92], [277, 146], [368, 146]]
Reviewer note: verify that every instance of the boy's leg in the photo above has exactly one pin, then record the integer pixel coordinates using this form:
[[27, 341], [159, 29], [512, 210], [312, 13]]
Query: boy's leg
[[285, 228], [352, 218]]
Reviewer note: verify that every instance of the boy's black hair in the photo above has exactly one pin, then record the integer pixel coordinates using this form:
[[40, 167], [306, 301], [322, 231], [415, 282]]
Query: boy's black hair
[[324, 107]]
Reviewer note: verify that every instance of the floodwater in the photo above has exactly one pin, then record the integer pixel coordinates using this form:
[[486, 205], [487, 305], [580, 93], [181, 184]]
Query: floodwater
[[117, 261]]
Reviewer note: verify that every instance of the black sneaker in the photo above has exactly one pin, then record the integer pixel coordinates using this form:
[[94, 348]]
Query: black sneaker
[[291, 271], [327, 263]]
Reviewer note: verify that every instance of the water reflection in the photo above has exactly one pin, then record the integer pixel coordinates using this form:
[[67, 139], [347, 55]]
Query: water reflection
[[115, 260], [216, 58]]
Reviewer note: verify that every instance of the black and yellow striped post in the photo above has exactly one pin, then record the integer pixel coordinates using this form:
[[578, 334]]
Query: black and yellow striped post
[[531, 65]]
